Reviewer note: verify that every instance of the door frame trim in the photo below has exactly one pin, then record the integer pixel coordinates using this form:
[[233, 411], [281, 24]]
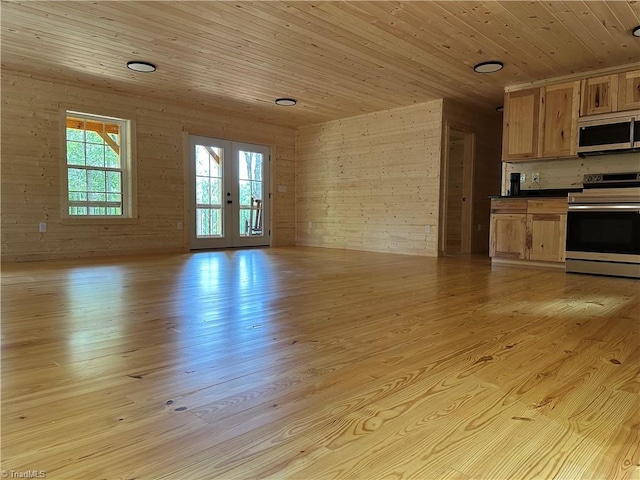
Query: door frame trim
[[189, 177]]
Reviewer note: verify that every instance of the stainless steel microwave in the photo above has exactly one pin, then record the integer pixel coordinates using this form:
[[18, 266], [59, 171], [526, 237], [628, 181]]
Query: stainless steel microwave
[[609, 133]]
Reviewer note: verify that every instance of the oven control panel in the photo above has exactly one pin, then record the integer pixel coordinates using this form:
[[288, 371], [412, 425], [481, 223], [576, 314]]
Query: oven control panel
[[592, 178], [611, 180]]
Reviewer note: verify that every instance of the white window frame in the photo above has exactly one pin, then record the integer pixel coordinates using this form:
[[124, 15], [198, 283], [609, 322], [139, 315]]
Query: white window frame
[[127, 162]]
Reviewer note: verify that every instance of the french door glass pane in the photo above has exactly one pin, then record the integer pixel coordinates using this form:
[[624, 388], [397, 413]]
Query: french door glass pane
[[245, 222], [245, 193], [202, 191], [251, 189], [256, 190], [209, 180], [209, 222]]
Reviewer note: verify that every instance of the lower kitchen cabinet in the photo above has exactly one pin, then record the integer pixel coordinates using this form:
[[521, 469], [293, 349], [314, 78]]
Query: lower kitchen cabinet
[[528, 230], [508, 236], [546, 237]]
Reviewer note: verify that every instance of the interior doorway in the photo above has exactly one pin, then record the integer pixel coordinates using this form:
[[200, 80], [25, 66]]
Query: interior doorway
[[457, 190]]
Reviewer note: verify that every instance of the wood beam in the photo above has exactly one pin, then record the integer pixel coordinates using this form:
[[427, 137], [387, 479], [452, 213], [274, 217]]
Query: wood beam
[[212, 152], [109, 141], [80, 124], [101, 128]]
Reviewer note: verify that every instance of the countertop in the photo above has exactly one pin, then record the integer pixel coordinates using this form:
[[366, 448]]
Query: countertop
[[555, 192]]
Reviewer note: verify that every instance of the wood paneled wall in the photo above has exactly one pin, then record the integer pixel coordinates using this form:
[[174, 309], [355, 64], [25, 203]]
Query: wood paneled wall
[[568, 173], [371, 182], [32, 173], [487, 126]]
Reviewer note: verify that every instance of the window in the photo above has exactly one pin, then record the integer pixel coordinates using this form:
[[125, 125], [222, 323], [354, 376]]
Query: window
[[98, 166]]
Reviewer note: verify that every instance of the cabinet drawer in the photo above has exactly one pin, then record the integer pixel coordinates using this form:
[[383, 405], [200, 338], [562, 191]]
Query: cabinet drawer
[[508, 205], [547, 205]]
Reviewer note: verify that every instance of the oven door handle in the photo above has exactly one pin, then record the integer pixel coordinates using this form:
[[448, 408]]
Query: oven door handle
[[633, 207]]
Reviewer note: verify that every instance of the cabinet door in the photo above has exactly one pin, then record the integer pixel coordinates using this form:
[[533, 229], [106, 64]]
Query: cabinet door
[[559, 104], [629, 90], [546, 237], [520, 124], [599, 95], [507, 236]]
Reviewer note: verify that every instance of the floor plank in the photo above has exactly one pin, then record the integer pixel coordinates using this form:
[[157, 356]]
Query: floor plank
[[315, 363]]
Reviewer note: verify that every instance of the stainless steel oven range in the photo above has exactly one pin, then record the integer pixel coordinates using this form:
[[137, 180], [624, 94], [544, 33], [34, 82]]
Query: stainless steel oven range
[[603, 226]]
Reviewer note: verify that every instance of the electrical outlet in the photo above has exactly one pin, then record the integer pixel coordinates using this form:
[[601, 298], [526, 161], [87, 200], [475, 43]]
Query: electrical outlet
[[536, 177], [42, 227], [523, 177], [427, 229], [179, 225]]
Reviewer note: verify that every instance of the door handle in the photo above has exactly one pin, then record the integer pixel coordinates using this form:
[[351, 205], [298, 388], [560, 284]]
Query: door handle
[[229, 201]]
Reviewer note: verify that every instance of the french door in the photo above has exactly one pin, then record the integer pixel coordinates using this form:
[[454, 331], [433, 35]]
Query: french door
[[229, 193]]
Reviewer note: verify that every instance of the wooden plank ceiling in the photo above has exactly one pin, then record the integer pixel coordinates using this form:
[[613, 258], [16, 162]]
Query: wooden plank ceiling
[[338, 59]]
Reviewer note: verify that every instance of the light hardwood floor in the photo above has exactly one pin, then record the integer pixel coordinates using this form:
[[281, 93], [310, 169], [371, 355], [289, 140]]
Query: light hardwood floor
[[316, 363]]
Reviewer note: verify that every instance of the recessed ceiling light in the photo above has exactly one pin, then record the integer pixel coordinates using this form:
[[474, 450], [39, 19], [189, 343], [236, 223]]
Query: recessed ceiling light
[[636, 31], [488, 67], [140, 66], [286, 102], [500, 109]]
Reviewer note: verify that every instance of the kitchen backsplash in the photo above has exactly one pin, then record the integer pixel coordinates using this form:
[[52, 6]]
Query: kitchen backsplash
[[568, 173]]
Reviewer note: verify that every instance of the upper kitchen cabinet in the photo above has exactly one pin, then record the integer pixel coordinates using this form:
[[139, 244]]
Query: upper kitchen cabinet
[[559, 113], [541, 122], [610, 93], [629, 90], [521, 125], [599, 95]]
